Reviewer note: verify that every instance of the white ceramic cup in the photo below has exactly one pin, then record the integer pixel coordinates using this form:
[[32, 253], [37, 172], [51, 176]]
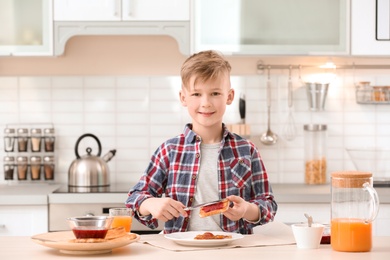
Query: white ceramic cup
[[307, 237]]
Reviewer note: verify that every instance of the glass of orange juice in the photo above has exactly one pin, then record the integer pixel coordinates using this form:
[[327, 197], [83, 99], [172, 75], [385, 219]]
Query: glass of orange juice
[[122, 217]]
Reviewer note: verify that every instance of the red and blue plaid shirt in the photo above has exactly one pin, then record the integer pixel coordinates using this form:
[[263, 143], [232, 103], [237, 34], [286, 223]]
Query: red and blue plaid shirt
[[173, 170]]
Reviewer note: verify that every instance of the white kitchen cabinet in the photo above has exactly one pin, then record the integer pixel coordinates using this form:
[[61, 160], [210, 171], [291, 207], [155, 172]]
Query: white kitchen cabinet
[[23, 220], [278, 27], [293, 213], [370, 27], [290, 213], [121, 17], [382, 221], [26, 27], [121, 10]]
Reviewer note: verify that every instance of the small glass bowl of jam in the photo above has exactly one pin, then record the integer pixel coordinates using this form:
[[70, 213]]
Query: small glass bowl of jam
[[90, 226]]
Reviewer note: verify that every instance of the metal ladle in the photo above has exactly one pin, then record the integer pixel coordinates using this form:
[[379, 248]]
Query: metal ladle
[[269, 138]]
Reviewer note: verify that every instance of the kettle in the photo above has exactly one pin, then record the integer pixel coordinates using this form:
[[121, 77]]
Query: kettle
[[90, 170]]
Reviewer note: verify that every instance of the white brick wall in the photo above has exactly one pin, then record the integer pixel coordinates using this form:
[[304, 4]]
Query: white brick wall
[[135, 114]]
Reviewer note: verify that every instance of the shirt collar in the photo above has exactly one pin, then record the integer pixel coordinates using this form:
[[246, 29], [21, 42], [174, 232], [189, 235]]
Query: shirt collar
[[190, 136]]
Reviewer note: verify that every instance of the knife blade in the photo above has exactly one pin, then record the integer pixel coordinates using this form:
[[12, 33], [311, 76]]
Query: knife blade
[[201, 205]]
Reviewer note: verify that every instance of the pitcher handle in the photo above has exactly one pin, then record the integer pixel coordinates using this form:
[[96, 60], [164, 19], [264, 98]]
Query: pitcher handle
[[374, 201]]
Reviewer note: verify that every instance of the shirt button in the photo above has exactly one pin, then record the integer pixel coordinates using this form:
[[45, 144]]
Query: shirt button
[[197, 155], [241, 161], [191, 199], [197, 138], [194, 177]]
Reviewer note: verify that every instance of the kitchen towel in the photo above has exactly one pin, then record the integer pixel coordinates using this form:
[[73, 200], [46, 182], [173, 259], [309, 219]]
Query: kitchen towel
[[275, 234]]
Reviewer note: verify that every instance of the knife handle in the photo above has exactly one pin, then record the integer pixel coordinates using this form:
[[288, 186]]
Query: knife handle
[[242, 106]]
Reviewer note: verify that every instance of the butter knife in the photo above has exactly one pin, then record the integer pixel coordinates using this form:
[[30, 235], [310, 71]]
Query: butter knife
[[202, 204]]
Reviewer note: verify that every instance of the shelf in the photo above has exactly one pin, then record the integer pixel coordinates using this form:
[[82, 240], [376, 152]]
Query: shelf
[[374, 95]]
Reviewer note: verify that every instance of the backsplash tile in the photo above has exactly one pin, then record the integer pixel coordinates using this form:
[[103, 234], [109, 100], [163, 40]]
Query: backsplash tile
[[135, 114]]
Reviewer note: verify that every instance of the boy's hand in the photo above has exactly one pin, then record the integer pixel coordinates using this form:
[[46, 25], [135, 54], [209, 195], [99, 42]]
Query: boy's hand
[[162, 208], [241, 209]]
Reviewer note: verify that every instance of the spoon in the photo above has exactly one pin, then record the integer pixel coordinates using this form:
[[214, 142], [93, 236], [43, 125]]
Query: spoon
[[269, 138], [309, 219]]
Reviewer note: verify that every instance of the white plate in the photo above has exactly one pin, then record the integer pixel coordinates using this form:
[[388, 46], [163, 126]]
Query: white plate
[[187, 238]]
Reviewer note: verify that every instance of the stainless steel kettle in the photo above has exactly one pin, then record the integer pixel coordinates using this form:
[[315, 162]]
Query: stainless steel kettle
[[90, 170]]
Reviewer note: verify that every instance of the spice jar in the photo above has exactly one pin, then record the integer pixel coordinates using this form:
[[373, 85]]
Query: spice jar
[[9, 166], [36, 135], [49, 139], [379, 94], [9, 139], [22, 167], [22, 139], [315, 154], [35, 167], [354, 207], [48, 166]]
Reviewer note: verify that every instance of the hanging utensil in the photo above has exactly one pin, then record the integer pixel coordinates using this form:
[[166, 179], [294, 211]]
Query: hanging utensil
[[289, 128], [269, 138]]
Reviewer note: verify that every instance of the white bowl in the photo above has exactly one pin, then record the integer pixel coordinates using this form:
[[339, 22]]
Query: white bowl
[[308, 237]]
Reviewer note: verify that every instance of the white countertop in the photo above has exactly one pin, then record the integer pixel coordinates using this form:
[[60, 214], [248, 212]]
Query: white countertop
[[42, 194], [11, 249], [26, 194]]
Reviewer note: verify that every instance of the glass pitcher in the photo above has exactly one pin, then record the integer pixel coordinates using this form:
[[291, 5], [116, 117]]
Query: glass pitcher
[[355, 205]]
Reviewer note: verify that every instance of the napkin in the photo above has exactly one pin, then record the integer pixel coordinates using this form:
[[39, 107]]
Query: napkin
[[271, 234]]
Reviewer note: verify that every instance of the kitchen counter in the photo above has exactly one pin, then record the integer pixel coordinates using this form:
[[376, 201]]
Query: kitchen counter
[[26, 194], [25, 248], [42, 194]]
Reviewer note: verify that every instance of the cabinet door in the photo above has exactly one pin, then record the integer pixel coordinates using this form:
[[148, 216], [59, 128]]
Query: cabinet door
[[369, 20], [118, 10], [156, 10], [271, 27], [294, 213], [26, 27], [23, 220], [87, 10]]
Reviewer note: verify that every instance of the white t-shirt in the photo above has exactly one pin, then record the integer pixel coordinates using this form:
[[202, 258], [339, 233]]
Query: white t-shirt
[[206, 189]]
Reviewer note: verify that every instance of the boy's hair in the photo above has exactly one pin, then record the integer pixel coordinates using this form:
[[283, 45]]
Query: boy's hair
[[205, 65]]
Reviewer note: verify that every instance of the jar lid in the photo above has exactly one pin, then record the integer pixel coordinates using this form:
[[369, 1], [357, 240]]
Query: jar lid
[[36, 131], [48, 159], [35, 159], [350, 179], [48, 130], [22, 130], [9, 159], [22, 159], [9, 131], [315, 127]]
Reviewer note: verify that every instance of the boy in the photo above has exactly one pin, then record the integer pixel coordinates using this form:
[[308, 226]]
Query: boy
[[205, 163]]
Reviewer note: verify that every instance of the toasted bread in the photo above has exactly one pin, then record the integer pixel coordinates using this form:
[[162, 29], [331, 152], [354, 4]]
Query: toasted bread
[[215, 208]]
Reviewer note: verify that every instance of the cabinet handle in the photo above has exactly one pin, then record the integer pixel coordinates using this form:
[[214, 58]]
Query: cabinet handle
[[127, 7], [117, 8]]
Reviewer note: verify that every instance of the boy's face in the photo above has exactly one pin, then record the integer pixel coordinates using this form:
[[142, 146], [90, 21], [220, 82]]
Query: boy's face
[[206, 101]]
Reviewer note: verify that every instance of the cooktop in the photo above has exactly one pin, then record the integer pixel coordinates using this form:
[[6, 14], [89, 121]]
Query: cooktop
[[112, 188]]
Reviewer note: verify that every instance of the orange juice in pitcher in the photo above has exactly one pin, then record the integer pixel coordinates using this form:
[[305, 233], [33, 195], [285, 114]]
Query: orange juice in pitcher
[[355, 205], [352, 235]]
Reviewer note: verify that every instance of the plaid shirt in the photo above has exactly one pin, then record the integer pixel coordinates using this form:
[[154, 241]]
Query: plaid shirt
[[173, 171]]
